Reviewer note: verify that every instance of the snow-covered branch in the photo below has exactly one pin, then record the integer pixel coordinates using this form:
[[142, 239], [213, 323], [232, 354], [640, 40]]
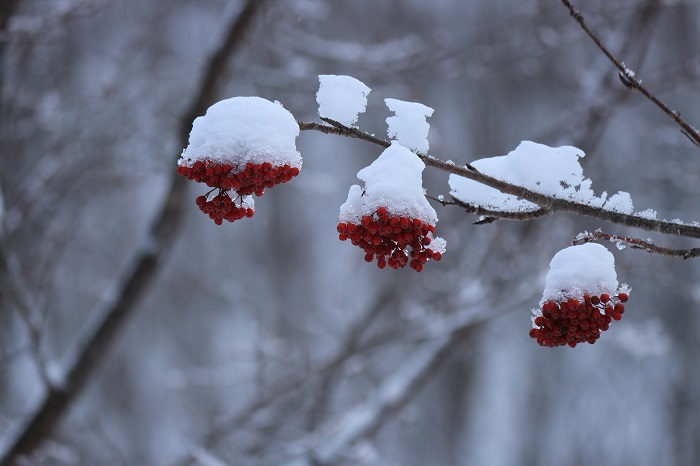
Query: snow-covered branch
[[635, 243], [548, 204]]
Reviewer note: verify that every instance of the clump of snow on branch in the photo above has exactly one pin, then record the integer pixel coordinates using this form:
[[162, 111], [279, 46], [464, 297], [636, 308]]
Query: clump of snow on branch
[[394, 181], [409, 126], [620, 202], [552, 171], [244, 129], [341, 98], [647, 213], [577, 270]]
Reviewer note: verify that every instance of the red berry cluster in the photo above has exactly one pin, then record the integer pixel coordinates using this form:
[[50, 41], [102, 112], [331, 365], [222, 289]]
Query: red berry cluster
[[251, 179], [572, 321], [386, 237], [221, 207]]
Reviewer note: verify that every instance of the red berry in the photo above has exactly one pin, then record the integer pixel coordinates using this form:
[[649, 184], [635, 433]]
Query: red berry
[[622, 297]]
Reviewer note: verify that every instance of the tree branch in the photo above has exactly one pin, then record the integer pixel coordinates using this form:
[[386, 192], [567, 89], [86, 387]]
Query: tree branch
[[351, 346], [628, 79], [365, 419], [490, 216], [546, 203], [636, 243], [91, 351]]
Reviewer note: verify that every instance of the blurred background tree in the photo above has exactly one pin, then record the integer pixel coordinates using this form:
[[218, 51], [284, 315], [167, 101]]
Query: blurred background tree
[[269, 341]]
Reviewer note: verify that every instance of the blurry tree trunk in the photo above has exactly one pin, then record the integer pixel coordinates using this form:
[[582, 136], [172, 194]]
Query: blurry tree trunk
[[146, 263]]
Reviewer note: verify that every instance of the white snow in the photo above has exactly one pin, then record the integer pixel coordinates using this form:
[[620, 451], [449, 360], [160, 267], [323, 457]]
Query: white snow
[[620, 202], [409, 127], [553, 171], [394, 181], [577, 270], [241, 130], [341, 98], [437, 244], [647, 213]]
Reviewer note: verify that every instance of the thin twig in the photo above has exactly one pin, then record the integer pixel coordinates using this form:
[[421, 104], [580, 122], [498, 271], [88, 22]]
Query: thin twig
[[636, 243], [341, 130], [628, 78]]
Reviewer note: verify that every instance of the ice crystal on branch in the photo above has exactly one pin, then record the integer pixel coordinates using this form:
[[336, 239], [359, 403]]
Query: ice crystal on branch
[[341, 98], [409, 126], [242, 146], [391, 214], [581, 297]]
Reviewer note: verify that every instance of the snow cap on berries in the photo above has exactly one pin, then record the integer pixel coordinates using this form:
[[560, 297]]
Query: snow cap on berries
[[577, 270], [394, 181], [409, 126], [341, 98], [244, 130]]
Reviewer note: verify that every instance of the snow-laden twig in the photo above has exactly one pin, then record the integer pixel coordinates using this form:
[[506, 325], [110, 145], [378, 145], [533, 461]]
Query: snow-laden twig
[[548, 204], [488, 215], [636, 243], [629, 79]]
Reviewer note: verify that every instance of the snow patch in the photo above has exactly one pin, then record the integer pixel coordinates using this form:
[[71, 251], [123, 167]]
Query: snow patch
[[647, 213], [394, 181], [409, 127], [341, 98], [620, 202], [577, 270], [244, 129], [552, 171]]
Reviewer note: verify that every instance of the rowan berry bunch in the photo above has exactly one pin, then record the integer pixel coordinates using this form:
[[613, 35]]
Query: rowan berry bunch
[[387, 238], [241, 147], [223, 207], [573, 321]]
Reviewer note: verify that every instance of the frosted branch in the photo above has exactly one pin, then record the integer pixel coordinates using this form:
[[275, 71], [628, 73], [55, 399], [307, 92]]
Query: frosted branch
[[548, 204], [488, 215], [636, 243]]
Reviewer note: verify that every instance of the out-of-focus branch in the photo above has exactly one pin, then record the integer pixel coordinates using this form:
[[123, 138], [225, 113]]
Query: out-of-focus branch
[[548, 204], [351, 346], [336, 437], [636, 243], [629, 80], [92, 349], [7, 9], [585, 124]]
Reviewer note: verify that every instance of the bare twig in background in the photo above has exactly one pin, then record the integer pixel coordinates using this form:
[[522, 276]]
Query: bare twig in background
[[351, 346], [629, 80], [91, 351], [364, 420], [584, 125], [636, 243]]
